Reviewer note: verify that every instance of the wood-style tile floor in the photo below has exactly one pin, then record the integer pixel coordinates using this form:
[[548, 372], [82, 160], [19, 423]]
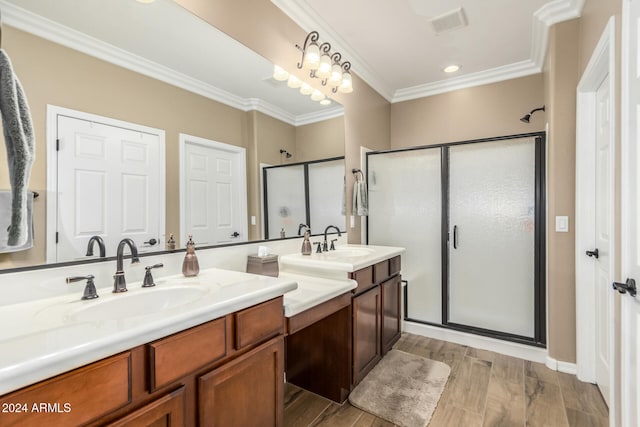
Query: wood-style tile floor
[[484, 389]]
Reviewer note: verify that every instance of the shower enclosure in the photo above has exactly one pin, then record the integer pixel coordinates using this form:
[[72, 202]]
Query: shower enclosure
[[309, 193], [471, 217]]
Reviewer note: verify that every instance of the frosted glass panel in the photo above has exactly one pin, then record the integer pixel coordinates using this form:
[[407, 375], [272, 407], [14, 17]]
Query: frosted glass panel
[[285, 200], [492, 206], [326, 186], [405, 210]]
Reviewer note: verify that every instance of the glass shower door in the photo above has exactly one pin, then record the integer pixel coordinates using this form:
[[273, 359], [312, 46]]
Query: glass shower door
[[405, 210], [492, 236]]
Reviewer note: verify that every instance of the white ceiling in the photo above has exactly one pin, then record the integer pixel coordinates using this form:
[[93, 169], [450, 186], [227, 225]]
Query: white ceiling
[[166, 42], [390, 44], [393, 47]]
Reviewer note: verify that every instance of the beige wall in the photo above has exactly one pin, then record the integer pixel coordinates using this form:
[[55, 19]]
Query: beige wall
[[320, 140], [264, 28], [477, 112], [561, 75]]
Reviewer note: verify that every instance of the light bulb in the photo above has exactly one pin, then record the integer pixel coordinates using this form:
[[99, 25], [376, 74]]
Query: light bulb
[[294, 82], [346, 86], [312, 57], [280, 74], [306, 89], [336, 75], [324, 69], [316, 95], [325, 101]]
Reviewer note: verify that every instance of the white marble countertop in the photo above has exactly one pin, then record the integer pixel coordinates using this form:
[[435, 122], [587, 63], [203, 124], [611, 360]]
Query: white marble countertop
[[346, 258], [312, 291], [47, 337]]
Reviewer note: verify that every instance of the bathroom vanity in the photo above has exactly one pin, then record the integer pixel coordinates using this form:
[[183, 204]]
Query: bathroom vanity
[[206, 350], [332, 346], [174, 368]]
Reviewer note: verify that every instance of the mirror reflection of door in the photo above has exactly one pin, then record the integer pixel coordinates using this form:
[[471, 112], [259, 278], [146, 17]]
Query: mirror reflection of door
[[112, 173], [213, 193]]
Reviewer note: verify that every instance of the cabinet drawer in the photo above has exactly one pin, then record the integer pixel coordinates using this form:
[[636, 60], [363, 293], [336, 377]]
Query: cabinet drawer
[[259, 323], [73, 398], [175, 356], [381, 271], [364, 278]]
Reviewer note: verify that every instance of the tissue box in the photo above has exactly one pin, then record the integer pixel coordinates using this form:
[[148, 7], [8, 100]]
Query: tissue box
[[265, 265]]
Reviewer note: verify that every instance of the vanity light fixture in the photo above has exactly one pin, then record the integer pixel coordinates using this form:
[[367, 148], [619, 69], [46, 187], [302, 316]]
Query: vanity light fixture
[[324, 65], [293, 82]]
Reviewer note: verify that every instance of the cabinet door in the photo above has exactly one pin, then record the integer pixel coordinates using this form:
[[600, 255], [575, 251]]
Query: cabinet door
[[248, 391], [168, 411], [366, 333], [390, 313]]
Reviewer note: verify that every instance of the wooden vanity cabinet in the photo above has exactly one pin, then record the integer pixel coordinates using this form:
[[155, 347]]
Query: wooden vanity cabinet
[[376, 314], [366, 332], [228, 371]]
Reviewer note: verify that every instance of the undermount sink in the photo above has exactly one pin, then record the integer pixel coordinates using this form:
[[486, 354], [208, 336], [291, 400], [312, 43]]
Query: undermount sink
[[141, 303]]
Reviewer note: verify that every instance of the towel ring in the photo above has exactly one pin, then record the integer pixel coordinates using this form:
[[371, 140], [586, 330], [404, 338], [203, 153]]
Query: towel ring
[[356, 172]]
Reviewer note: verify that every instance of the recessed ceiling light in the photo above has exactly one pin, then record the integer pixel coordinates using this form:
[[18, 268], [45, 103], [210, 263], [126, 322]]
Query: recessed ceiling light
[[451, 68]]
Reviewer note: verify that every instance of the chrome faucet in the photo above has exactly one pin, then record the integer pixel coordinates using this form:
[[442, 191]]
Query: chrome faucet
[[325, 246], [100, 242], [119, 282]]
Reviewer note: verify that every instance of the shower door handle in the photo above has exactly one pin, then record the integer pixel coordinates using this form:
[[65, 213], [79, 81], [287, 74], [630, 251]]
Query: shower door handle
[[455, 237]]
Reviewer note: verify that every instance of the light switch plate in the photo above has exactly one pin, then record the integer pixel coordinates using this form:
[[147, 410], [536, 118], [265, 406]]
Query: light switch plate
[[562, 224]]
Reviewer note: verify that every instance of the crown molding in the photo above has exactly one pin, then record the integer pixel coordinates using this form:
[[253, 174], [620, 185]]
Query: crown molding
[[551, 13], [507, 72], [24, 20], [544, 18], [329, 113]]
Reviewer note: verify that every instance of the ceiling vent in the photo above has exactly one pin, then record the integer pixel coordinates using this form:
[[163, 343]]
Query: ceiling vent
[[449, 21]]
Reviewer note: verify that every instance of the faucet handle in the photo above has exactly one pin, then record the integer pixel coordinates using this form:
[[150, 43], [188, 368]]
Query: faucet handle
[[148, 278], [333, 246], [319, 248], [89, 290]]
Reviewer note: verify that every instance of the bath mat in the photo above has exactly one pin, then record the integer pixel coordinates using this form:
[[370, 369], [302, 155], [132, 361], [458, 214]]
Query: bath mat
[[402, 388]]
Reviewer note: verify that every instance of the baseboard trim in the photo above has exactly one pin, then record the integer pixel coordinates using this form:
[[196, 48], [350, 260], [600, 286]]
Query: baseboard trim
[[520, 351], [560, 366]]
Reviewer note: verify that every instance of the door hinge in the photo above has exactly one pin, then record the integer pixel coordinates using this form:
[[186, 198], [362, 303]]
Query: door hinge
[[56, 237], [57, 145]]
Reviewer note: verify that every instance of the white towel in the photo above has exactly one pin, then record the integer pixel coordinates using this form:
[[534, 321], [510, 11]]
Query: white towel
[[5, 221], [360, 204]]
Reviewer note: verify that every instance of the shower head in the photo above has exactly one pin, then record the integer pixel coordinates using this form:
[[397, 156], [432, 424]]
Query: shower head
[[527, 117], [286, 153]]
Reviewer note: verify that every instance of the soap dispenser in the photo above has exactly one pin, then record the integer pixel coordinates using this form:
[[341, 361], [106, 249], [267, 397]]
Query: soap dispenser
[[171, 243], [306, 244], [190, 266]]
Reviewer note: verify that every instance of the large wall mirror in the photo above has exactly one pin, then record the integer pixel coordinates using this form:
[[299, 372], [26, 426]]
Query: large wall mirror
[[158, 68]]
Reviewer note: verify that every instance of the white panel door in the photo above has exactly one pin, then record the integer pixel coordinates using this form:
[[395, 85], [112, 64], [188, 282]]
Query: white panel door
[[630, 333], [214, 192], [602, 280], [108, 184]]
